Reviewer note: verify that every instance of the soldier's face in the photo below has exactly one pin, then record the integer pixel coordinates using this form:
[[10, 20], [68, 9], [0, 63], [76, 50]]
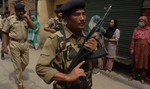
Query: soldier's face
[[7, 15], [20, 13], [76, 20], [59, 15]]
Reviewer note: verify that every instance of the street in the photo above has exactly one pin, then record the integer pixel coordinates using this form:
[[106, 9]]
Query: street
[[102, 80]]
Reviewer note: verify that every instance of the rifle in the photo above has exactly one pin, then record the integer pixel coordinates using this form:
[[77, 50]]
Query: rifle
[[86, 52]]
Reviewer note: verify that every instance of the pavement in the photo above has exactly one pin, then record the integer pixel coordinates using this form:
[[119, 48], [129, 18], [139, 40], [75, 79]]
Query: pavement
[[101, 80]]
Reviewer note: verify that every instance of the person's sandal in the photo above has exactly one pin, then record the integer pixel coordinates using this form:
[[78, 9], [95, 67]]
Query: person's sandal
[[130, 79], [142, 81], [20, 86]]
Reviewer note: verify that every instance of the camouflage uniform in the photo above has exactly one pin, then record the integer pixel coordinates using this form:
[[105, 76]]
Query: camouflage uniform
[[58, 51], [55, 23]]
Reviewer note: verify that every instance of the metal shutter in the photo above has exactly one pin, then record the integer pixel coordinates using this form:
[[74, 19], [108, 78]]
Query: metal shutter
[[126, 12]]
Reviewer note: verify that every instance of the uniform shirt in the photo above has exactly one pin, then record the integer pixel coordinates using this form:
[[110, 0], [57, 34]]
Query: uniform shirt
[[51, 23], [1, 24], [2, 21], [51, 53], [17, 29]]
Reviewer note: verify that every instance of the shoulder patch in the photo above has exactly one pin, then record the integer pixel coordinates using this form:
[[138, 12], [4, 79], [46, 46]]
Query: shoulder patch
[[11, 17], [52, 36], [59, 34]]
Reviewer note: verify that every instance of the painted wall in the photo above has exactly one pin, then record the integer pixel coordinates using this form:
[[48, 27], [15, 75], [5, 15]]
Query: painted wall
[[146, 9]]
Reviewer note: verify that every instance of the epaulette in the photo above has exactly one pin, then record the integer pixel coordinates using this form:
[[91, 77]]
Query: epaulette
[[59, 33], [52, 36], [11, 17]]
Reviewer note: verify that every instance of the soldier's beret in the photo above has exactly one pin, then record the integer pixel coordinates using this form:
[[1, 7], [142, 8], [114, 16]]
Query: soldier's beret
[[58, 8], [7, 12], [72, 5], [19, 6]]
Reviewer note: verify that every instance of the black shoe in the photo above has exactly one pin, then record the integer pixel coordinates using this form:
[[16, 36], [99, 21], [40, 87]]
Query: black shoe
[[2, 56]]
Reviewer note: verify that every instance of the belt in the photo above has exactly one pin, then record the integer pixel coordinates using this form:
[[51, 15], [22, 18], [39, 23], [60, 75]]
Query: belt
[[20, 41]]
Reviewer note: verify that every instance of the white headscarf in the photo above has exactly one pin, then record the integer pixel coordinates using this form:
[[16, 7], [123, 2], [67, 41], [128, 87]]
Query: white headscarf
[[93, 21]]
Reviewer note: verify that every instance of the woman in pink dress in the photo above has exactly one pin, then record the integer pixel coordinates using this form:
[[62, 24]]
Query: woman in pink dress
[[140, 48]]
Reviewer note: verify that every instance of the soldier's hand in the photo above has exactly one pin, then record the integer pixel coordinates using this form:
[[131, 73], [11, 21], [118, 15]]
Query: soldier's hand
[[76, 73], [52, 30], [91, 43], [5, 50], [106, 39], [26, 15]]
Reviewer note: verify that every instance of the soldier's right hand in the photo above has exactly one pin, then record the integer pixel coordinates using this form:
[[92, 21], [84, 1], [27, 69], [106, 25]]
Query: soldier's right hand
[[76, 73]]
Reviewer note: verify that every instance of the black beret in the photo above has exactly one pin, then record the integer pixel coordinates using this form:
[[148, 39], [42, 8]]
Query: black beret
[[7, 12], [58, 8], [19, 6], [72, 5]]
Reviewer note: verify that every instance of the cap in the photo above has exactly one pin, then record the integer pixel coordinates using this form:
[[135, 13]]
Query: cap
[[19, 6], [7, 12], [58, 8], [72, 5]]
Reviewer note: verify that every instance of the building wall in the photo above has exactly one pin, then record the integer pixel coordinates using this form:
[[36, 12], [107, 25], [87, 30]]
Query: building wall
[[146, 9], [30, 5], [146, 12], [3, 7]]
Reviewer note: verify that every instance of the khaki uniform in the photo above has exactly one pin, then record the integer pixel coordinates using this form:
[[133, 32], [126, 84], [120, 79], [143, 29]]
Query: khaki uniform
[[17, 30], [54, 22], [57, 54], [1, 26]]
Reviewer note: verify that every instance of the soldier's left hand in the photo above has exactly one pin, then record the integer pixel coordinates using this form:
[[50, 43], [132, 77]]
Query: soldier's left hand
[[91, 43]]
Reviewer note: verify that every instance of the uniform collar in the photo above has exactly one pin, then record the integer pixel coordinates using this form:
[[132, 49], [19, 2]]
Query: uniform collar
[[19, 19], [56, 18], [69, 33]]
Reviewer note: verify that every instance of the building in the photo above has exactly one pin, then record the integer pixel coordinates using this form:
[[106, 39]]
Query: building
[[30, 5], [146, 9], [3, 6]]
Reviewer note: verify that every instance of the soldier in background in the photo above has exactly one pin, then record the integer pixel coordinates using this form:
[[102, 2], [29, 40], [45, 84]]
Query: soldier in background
[[16, 26], [61, 47], [56, 23], [6, 15]]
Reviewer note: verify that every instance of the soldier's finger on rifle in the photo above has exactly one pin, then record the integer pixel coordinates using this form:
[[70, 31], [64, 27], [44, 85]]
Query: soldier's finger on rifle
[[80, 64]]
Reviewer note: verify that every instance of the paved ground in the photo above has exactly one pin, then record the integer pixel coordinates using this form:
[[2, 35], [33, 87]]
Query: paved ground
[[102, 80]]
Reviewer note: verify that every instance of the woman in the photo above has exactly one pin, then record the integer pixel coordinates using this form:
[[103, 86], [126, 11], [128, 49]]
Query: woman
[[94, 20], [140, 48], [33, 34], [112, 36]]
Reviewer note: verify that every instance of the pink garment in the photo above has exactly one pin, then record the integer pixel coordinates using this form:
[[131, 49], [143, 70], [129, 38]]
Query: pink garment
[[142, 32], [108, 63], [144, 18]]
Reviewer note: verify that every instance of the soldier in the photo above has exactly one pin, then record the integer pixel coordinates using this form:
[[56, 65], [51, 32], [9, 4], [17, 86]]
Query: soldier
[[61, 47], [56, 23], [6, 15], [16, 26]]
